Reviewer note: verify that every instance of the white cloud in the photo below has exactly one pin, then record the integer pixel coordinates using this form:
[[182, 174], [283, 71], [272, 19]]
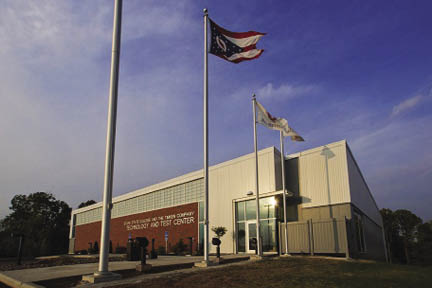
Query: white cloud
[[284, 91], [55, 70], [406, 104]]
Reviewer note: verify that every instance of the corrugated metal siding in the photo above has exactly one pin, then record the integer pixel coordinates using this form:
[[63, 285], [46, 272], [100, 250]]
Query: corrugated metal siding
[[323, 236], [298, 237], [329, 236], [373, 240], [233, 181], [360, 194], [323, 176], [326, 212]]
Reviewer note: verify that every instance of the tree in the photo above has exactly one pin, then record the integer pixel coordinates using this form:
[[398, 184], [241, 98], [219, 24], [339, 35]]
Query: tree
[[390, 230], [42, 219], [424, 243], [219, 231], [407, 223], [407, 239], [87, 203]]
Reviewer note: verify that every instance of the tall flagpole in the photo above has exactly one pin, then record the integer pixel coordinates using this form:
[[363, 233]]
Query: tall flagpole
[[110, 141], [284, 189], [258, 230], [206, 206]]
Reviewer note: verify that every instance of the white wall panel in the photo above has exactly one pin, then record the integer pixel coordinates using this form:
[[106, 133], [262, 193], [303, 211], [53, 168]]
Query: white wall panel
[[232, 180], [323, 175]]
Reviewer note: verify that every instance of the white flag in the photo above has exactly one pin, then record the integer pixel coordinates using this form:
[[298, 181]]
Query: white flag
[[274, 123]]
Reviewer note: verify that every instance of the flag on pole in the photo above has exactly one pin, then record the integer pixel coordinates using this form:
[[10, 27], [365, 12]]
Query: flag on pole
[[234, 46], [275, 123]]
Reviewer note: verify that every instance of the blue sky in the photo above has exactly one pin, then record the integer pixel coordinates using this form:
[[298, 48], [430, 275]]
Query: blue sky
[[355, 70]]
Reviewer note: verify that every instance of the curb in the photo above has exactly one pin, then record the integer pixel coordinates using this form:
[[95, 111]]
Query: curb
[[16, 283]]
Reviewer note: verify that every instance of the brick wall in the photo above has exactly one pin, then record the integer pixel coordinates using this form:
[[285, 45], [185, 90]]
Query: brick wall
[[180, 222]]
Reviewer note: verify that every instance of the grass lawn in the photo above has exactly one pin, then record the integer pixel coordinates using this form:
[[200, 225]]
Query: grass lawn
[[298, 272]]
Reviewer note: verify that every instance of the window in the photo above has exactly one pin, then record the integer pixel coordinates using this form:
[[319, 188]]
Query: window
[[149, 201], [189, 192], [268, 232], [168, 197], [241, 237], [158, 199], [268, 207], [201, 228], [201, 211], [141, 203], [246, 223], [250, 210], [179, 195], [240, 211]]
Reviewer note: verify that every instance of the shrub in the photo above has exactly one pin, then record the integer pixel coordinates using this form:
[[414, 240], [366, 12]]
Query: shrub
[[219, 231], [161, 250], [180, 247], [120, 250]]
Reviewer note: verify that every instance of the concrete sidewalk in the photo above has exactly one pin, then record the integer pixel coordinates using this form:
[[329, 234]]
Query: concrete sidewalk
[[55, 272]]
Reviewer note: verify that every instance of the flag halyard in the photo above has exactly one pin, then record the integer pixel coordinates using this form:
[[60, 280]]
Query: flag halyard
[[234, 46]]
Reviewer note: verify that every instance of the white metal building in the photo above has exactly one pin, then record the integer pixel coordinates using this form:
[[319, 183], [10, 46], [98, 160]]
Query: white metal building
[[330, 207]]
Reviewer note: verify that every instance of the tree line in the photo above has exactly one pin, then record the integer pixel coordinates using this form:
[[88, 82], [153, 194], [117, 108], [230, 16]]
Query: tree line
[[408, 238], [42, 220]]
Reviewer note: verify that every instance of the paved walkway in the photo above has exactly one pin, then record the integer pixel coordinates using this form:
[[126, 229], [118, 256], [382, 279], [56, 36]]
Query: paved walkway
[[54, 272]]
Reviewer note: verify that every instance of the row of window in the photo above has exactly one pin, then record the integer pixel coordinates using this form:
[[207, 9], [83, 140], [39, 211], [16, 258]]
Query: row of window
[[270, 214], [172, 196], [246, 210]]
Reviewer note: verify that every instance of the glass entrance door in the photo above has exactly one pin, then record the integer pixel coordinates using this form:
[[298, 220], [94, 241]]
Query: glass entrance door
[[251, 237]]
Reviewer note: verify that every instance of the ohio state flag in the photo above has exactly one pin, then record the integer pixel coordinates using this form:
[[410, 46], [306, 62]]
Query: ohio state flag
[[234, 46]]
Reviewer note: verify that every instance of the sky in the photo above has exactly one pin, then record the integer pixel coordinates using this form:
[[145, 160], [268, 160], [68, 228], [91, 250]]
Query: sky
[[354, 70]]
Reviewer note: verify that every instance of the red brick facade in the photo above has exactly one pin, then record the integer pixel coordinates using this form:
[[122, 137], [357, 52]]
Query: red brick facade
[[180, 222]]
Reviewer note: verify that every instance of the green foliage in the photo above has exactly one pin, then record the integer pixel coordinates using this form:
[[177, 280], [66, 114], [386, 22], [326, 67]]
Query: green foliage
[[219, 231], [180, 247], [87, 203], [120, 250], [42, 219], [408, 239], [161, 250]]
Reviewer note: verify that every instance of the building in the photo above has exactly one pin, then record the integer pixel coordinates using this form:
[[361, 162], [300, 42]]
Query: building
[[330, 209]]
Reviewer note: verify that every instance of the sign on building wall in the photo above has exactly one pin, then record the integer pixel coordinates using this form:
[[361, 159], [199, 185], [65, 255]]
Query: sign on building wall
[[179, 222], [178, 219]]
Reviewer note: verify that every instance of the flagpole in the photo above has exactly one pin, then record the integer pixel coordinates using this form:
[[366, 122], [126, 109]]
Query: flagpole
[[284, 190], [258, 230], [206, 206], [110, 141]]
